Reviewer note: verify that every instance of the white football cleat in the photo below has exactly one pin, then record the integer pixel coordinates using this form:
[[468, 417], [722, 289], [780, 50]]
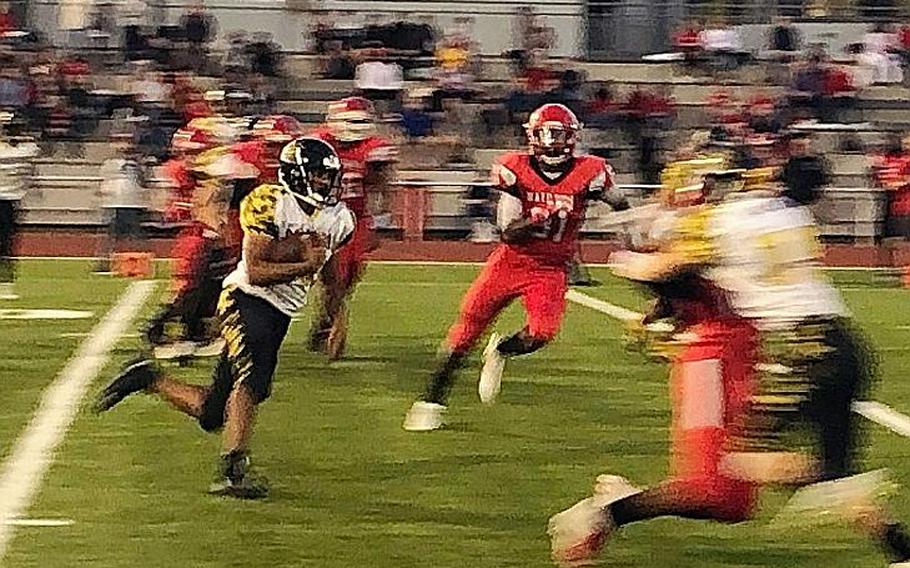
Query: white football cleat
[[612, 488], [8, 291], [578, 533], [491, 375], [424, 417], [835, 501]]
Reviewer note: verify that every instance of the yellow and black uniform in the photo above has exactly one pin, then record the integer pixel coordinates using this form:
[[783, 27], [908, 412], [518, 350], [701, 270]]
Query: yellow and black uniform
[[255, 319]]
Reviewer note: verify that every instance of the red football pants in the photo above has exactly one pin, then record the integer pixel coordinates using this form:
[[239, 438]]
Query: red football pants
[[711, 383], [506, 276]]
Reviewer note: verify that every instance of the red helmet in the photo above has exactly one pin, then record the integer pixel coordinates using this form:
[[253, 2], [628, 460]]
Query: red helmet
[[191, 140], [552, 133], [351, 119], [276, 129]]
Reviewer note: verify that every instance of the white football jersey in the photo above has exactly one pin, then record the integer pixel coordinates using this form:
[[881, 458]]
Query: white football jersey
[[768, 258], [272, 211]]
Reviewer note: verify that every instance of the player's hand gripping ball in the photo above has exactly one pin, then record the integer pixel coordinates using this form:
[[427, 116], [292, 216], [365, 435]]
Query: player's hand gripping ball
[[539, 215], [296, 247]]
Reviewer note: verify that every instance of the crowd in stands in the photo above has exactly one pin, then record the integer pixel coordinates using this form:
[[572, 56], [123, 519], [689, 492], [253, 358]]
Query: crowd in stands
[[55, 92]]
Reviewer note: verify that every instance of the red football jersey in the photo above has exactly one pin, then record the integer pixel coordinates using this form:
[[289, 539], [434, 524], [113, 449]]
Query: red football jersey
[[256, 153], [566, 196], [179, 208], [356, 158]]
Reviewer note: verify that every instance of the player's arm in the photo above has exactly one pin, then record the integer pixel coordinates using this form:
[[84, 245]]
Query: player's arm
[[379, 174], [603, 188], [263, 272], [691, 248], [514, 226]]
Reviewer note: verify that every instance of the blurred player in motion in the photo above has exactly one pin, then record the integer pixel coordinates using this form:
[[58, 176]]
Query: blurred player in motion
[[368, 161], [290, 230], [759, 249], [543, 196]]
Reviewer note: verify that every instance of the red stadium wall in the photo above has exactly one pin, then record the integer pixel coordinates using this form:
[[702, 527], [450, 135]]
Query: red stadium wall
[[80, 244]]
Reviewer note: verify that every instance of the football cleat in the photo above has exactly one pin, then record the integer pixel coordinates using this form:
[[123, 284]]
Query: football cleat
[[235, 478], [136, 376], [579, 533], [424, 417], [609, 489], [494, 363], [834, 501]]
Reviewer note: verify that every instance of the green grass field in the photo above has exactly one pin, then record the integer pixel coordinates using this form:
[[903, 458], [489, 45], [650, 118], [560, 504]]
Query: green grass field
[[351, 488]]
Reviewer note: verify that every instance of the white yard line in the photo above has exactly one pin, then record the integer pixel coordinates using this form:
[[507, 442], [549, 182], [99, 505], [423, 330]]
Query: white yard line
[[877, 412], [33, 452]]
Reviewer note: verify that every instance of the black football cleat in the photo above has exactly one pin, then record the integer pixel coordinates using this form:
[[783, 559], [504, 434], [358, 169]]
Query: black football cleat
[[138, 375], [236, 479]]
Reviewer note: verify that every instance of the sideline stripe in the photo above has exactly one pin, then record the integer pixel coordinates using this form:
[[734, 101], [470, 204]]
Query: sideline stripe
[[877, 412], [33, 453], [884, 415]]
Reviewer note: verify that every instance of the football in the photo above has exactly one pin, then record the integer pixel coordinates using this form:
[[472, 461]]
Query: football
[[288, 249]]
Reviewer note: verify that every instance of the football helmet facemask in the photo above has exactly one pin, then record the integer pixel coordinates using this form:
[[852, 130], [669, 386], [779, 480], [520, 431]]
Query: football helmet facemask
[[311, 170]]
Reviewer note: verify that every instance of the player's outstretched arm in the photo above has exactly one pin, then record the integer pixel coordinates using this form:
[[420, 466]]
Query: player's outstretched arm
[[263, 272], [521, 231]]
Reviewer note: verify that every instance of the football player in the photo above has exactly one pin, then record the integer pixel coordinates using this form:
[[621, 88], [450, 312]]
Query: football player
[[368, 161], [544, 194], [759, 250], [290, 230]]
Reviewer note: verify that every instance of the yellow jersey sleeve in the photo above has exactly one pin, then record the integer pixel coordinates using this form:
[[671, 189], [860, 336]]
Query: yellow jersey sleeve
[[691, 238], [257, 211]]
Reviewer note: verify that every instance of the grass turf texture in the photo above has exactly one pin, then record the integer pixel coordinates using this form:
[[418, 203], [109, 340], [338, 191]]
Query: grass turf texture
[[350, 488]]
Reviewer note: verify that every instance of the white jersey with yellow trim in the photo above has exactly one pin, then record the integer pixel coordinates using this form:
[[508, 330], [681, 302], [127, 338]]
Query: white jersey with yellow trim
[[272, 211], [768, 257]]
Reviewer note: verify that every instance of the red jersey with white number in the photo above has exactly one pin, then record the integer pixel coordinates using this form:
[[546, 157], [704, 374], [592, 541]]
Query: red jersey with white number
[[565, 196], [356, 159], [256, 153]]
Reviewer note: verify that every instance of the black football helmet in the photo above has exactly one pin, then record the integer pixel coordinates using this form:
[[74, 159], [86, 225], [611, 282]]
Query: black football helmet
[[311, 170]]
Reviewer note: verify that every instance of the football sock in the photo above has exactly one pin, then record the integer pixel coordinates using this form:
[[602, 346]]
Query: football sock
[[653, 503], [521, 343], [896, 542], [443, 378]]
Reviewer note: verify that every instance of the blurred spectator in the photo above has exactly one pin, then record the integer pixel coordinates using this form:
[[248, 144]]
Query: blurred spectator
[[379, 81], [13, 89], [763, 116], [133, 19], [784, 37], [877, 56], [648, 113], [124, 202], [891, 171], [199, 28], [569, 92], [602, 111], [264, 55], [416, 120], [806, 173], [337, 63], [16, 155], [722, 45], [821, 87], [454, 75], [687, 40]]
